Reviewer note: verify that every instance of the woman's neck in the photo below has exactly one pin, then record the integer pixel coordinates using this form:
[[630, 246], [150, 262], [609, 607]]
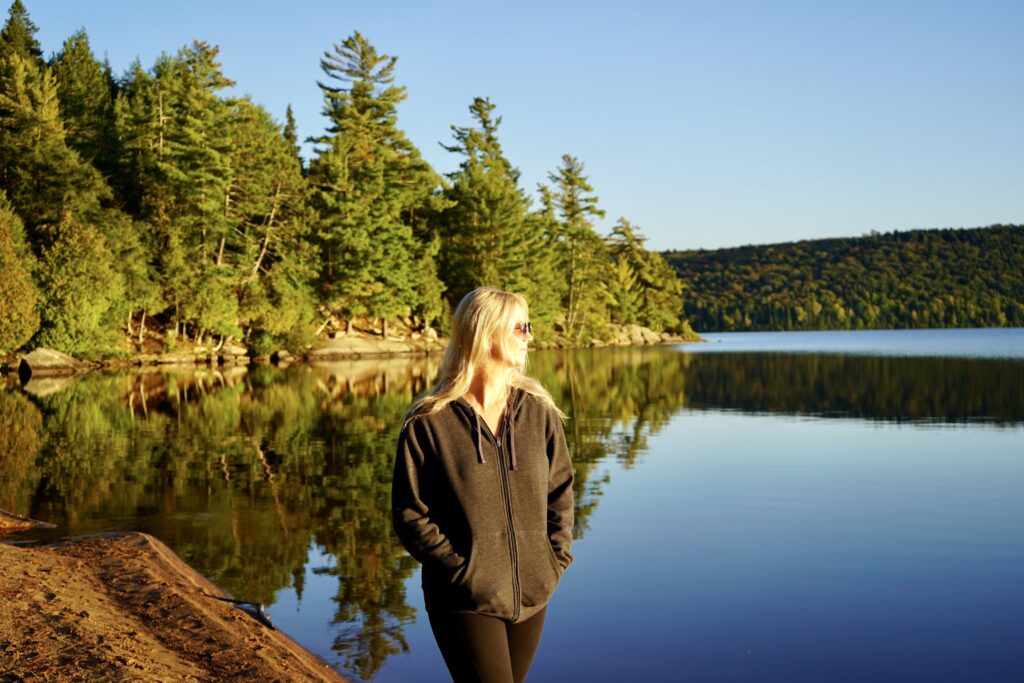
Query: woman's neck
[[489, 387]]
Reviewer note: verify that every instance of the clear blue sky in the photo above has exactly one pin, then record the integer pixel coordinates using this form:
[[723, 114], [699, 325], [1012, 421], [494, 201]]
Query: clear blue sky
[[707, 124]]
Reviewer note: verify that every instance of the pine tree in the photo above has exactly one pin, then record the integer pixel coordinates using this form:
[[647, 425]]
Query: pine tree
[[582, 252], [18, 36], [44, 179], [86, 90], [270, 253], [651, 294], [489, 236], [291, 135], [370, 186]]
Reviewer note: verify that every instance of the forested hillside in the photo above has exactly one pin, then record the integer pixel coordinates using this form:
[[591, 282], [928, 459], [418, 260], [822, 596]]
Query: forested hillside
[[919, 278], [148, 204]]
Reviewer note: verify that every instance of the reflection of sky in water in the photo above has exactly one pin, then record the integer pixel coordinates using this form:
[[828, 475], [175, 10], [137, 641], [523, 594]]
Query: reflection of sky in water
[[725, 534], [759, 548], [988, 343]]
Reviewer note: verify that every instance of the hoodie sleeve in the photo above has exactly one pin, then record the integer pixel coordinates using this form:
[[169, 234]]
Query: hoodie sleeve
[[410, 515], [560, 497]]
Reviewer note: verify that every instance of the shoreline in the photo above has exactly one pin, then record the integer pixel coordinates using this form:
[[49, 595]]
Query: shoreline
[[123, 605], [346, 347]]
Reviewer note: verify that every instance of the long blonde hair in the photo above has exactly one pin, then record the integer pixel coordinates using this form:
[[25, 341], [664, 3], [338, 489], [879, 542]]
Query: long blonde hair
[[478, 321]]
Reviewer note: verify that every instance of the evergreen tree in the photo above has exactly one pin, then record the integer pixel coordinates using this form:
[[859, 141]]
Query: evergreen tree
[[44, 179], [80, 288], [370, 187], [646, 289], [136, 124], [19, 316], [582, 252], [291, 135], [86, 90], [268, 209], [489, 236], [18, 36]]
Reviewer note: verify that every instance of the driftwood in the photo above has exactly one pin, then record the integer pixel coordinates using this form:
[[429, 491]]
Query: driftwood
[[11, 523]]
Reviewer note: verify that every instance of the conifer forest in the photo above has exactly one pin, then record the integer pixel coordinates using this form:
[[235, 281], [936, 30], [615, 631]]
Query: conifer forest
[[149, 205], [147, 202]]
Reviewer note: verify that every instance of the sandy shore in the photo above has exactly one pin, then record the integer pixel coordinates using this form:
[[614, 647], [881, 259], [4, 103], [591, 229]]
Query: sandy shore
[[125, 607]]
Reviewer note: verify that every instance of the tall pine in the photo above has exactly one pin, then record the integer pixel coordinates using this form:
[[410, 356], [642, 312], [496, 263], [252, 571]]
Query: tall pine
[[371, 192], [583, 258], [489, 235]]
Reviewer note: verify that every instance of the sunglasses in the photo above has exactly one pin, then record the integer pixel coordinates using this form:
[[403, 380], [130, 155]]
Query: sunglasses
[[523, 329]]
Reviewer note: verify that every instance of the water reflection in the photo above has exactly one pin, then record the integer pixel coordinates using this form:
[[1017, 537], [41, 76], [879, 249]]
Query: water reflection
[[241, 471], [873, 387]]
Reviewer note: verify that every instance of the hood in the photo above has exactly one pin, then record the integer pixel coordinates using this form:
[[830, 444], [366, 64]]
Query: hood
[[508, 433]]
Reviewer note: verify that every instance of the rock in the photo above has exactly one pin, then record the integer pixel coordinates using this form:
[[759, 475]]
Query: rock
[[233, 349], [48, 363], [650, 336], [281, 357]]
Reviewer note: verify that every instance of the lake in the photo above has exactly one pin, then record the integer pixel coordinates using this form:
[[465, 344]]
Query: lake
[[826, 506]]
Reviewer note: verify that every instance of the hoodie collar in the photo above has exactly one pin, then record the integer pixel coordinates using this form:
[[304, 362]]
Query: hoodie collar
[[515, 402]]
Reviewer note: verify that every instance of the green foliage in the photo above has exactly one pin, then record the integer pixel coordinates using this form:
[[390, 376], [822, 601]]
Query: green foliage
[[489, 236], [915, 279], [18, 35], [19, 315], [369, 184], [44, 179], [212, 227], [86, 91], [79, 285], [645, 288], [582, 254]]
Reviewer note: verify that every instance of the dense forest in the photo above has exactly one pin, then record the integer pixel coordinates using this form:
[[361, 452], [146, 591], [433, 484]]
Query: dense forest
[[147, 203], [914, 279]]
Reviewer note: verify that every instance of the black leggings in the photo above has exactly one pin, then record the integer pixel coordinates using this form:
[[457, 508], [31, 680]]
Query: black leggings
[[480, 649]]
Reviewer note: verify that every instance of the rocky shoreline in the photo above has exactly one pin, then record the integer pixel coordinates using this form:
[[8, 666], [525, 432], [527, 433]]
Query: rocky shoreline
[[50, 365]]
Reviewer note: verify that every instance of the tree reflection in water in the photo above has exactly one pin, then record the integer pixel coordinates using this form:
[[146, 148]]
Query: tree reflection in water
[[242, 471]]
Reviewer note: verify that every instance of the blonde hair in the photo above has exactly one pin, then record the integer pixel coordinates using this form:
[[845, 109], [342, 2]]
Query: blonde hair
[[478, 322]]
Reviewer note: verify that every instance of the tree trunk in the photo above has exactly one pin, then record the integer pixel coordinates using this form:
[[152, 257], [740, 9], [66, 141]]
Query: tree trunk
[[130, 333], [142, 325], [320, 329], [384, 327]]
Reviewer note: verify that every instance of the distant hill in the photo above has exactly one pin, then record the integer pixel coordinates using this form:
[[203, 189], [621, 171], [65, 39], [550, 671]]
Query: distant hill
[[919, 278]]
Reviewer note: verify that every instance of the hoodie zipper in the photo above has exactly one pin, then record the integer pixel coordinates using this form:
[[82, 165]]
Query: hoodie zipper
[[506, 493]]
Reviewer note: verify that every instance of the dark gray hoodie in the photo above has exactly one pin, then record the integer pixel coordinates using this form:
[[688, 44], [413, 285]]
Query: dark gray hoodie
[[490, 519]]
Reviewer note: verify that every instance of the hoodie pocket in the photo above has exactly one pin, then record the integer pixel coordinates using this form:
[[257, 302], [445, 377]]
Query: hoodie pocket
[[538, 569], [485, 584]]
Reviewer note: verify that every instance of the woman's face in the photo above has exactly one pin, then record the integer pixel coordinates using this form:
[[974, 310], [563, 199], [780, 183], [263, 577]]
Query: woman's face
[[515, 341]]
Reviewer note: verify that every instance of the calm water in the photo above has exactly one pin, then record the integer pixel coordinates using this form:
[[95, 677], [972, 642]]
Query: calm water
[[765, 507]]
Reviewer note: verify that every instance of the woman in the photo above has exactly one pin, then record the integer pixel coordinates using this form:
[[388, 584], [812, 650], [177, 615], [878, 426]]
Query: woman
[[482, 493]]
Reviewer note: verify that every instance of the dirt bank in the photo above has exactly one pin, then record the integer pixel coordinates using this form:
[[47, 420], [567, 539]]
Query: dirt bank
[[125, 607]]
